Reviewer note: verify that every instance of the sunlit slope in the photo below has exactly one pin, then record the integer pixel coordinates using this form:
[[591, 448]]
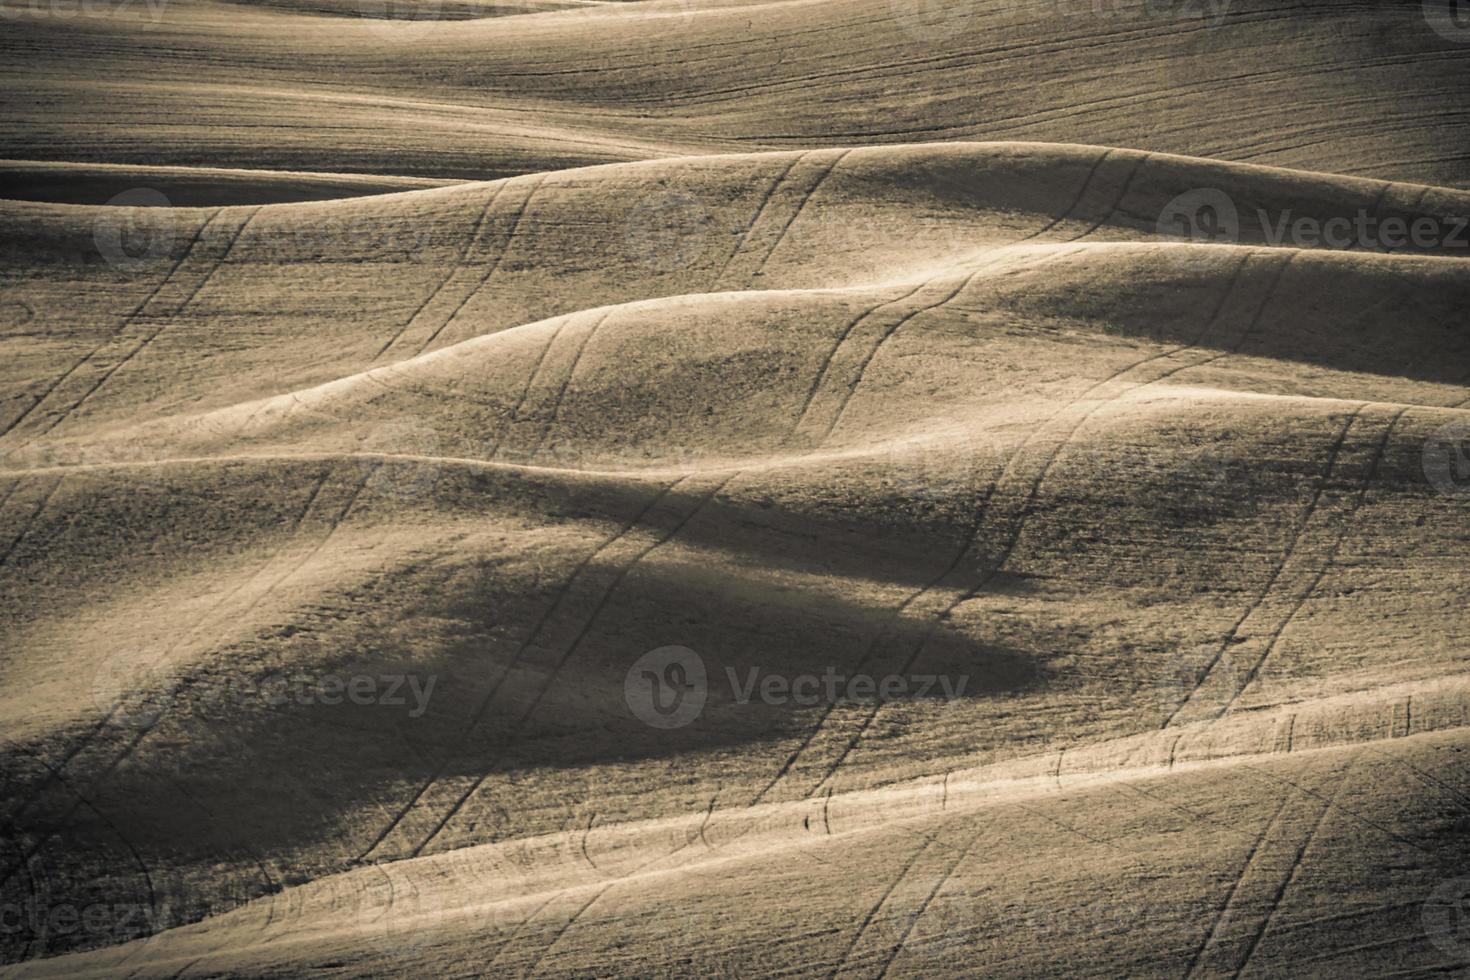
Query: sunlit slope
[[1319, 862], [215, 307], [937, 410], [1332, 86]]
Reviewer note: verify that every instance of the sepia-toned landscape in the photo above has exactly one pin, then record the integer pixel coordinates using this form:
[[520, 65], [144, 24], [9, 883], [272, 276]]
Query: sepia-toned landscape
[[718, 488]]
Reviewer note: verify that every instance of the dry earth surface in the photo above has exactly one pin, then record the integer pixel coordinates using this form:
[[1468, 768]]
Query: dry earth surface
[[381, 384]]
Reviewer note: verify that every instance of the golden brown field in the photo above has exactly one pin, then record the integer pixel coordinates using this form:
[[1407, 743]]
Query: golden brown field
[[695, 487]]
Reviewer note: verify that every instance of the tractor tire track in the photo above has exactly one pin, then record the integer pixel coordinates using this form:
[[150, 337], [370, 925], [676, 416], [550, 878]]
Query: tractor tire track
[[1298, 532], [1327, 563], [448, 276], [571, 650], [1018, 521], [1224, 908], [845, 398], [149, 338], [493, 268], [872, 913], [1291, 876], [755, 218], [551, 609], [126, 322], [183, 685], [796, 213]]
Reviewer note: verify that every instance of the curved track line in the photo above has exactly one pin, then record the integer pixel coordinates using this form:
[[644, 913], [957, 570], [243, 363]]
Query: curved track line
[[453, 269], [490, 272], [556, 936], [924, 907], [138, 348], [484, 705], [127, 320], [556, 406], [179, 688], [1290, 878], [796, 213], [1298, 531], [96, 729], [872, 913], [888, 334], [571, 651], [1219, 917], [1327, 563], [755, 218], [984, 510], [30, 521]]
